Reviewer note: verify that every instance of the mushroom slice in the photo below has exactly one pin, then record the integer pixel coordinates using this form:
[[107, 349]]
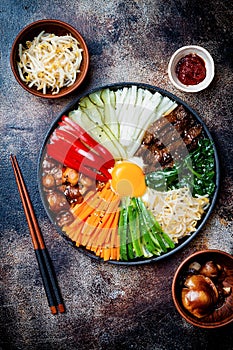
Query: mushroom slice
[[57, 201], [48, 181], [70, 176], [199, 295]]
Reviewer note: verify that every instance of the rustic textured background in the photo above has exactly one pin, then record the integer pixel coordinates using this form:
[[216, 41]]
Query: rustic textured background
[[108, 307]]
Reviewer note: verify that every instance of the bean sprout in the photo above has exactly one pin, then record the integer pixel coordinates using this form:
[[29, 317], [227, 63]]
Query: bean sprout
[[176, 210], [50, 62]]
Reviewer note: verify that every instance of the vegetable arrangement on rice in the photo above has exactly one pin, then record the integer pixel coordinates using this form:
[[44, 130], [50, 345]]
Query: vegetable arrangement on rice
[[128, 173]]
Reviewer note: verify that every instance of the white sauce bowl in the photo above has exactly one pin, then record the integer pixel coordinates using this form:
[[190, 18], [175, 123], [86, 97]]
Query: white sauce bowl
[[209, 65]]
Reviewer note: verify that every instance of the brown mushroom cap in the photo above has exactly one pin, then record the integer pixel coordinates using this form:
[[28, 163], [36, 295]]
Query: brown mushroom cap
[[199, 295], [57, 201], [48, 181], [71, 176], [210, 269]]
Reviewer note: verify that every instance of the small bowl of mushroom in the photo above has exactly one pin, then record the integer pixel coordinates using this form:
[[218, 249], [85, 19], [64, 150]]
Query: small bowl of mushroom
[[202, 289]]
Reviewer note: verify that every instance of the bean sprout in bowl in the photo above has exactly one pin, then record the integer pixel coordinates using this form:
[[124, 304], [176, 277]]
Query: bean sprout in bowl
[[49, 58]]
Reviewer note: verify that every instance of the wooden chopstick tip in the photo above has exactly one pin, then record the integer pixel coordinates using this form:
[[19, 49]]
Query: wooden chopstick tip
[[53, 310], [12, 157], [61, 308]]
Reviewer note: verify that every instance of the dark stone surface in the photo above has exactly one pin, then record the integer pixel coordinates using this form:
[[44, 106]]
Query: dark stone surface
[[108, 307]]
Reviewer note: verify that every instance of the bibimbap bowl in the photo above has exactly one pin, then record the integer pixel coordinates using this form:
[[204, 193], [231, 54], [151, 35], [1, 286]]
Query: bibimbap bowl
[[128, 173]]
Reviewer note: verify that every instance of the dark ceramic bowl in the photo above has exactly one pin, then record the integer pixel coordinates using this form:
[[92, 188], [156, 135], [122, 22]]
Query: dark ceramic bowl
[[222, 313], [182, 243], [56, 27]]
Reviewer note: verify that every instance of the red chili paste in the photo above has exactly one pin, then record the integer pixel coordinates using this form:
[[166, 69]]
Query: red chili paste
[[191, 69]]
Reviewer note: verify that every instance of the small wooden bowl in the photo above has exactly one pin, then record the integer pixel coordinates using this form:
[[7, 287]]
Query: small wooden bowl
[[220, 316], [56, 27]]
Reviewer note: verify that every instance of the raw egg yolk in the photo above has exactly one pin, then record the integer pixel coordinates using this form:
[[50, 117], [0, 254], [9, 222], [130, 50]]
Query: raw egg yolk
[[128, 179]]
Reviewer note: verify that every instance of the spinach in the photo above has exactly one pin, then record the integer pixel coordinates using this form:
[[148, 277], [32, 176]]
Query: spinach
[[196, 171]]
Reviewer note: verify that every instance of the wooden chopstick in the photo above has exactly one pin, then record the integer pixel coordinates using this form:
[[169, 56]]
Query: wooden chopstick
[[44, 262]]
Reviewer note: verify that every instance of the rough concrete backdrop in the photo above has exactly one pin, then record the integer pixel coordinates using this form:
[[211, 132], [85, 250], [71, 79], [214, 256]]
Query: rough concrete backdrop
[[108, 307]]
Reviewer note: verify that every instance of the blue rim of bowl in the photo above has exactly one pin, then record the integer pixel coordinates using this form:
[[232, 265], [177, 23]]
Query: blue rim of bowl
[[185, 241]]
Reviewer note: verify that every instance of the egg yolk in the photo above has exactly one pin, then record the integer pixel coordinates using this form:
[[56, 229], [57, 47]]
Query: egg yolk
[[128, 179]]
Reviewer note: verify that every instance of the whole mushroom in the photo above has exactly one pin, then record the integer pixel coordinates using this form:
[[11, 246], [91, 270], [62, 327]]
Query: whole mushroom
[[199, 295], [57, 201], [210, 269], [48, 181], [70, 176]]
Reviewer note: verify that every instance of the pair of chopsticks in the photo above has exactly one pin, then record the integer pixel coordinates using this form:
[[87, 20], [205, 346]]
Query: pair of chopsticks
[[45, 265]]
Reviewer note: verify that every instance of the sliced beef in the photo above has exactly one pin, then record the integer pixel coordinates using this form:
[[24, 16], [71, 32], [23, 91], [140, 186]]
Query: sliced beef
[[192, 134], [169, 139], [179, 113]]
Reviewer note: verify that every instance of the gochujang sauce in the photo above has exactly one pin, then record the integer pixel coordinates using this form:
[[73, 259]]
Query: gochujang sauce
[[191, 69]]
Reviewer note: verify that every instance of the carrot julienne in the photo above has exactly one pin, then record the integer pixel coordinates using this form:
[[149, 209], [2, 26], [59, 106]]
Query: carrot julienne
[[95, 226]]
